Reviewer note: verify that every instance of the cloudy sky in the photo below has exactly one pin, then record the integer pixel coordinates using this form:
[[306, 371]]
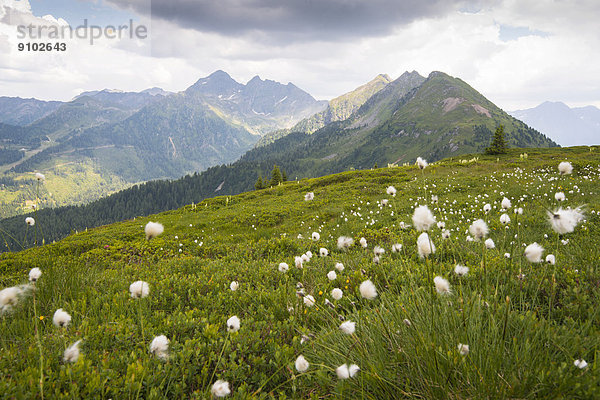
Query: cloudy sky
[[518, 53]]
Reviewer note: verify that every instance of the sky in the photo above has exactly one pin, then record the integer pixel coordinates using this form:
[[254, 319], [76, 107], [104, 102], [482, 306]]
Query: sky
[[517, 53]]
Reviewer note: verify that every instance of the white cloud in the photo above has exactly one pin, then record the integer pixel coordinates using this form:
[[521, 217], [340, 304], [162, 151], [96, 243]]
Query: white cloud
[[514, 74]]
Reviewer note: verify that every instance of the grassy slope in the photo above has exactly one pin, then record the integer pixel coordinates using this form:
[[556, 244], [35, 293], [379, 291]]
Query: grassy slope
[[518, 349]]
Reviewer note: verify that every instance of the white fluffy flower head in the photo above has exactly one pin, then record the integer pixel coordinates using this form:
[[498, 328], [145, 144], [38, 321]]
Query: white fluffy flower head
[[348, 327], [368, 290], [441, 285], [61, 318], [565, 168], [344, 242], [139, 289], [301, 364], [425, 246], [153, 229], [533, 253], [479, 229], [220, 388], [71, 354], [423, 218], [233, 324]]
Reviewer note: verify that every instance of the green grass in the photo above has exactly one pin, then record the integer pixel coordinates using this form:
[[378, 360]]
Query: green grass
[[524, 334]]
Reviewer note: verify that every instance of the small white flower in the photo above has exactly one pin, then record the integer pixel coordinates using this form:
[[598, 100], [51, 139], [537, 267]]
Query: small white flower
[[298, 260], [479, 229], [581, 364], [220, 388], [441, 285], [391, 191], [396, 248], [434, 199], [422, 218], [353, 370], [422, 163], [550, 259], [40, 176], [71, 354], [489, 244], [160, 347], [337, 294], [283, 267], [378, 251], [342, 372], [339, 266], [344, 242], [445, 234], [487, 208], [309, 300], [315, 236], [9, 297], [323, 252], [34, 274], [463, 349], [565, 168], [363, 242], [309, 196], [348, 327], [533, 253], [301, 364], [506, 255], [30, 221], [153, 229], [441, 224], [331, 275], [461, 270], [233, 324], [504, 219], [559, 196], [424, 245], [139, 289], [506, 204], [368, 290], [61, 318], [234, 285], [565, 220]]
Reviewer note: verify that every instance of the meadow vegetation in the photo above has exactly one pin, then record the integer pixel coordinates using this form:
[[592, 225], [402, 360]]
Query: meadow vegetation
[[475, 319]]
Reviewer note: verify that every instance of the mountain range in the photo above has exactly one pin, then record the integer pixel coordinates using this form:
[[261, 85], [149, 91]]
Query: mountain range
[[566, 126], [384, 122], [104, 141], [115, 139]]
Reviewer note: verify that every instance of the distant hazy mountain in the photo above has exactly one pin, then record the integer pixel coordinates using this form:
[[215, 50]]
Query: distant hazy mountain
[[566, 126], [20, 112], [126, 100]]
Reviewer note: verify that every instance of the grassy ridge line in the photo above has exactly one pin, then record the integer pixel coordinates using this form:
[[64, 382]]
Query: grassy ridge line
[[244, 237]]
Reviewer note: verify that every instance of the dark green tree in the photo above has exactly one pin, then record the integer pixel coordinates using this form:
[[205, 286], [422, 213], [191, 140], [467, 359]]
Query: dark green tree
[[283, 175], [259, 183], [498, 145], [276, 178]]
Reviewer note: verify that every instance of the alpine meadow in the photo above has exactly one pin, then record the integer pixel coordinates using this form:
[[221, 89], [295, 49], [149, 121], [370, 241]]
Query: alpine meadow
[[299, 199], [468, 278]]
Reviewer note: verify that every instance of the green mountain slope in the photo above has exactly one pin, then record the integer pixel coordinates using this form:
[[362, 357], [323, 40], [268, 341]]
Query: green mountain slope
[[525, 323], [21, 112]]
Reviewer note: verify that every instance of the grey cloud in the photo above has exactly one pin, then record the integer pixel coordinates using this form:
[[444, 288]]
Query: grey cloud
[[283, 20]]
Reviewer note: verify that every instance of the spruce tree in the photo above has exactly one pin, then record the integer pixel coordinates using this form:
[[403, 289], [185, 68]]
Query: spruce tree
[[283, 176], [259, 183], [275, 176], [498, 145]]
